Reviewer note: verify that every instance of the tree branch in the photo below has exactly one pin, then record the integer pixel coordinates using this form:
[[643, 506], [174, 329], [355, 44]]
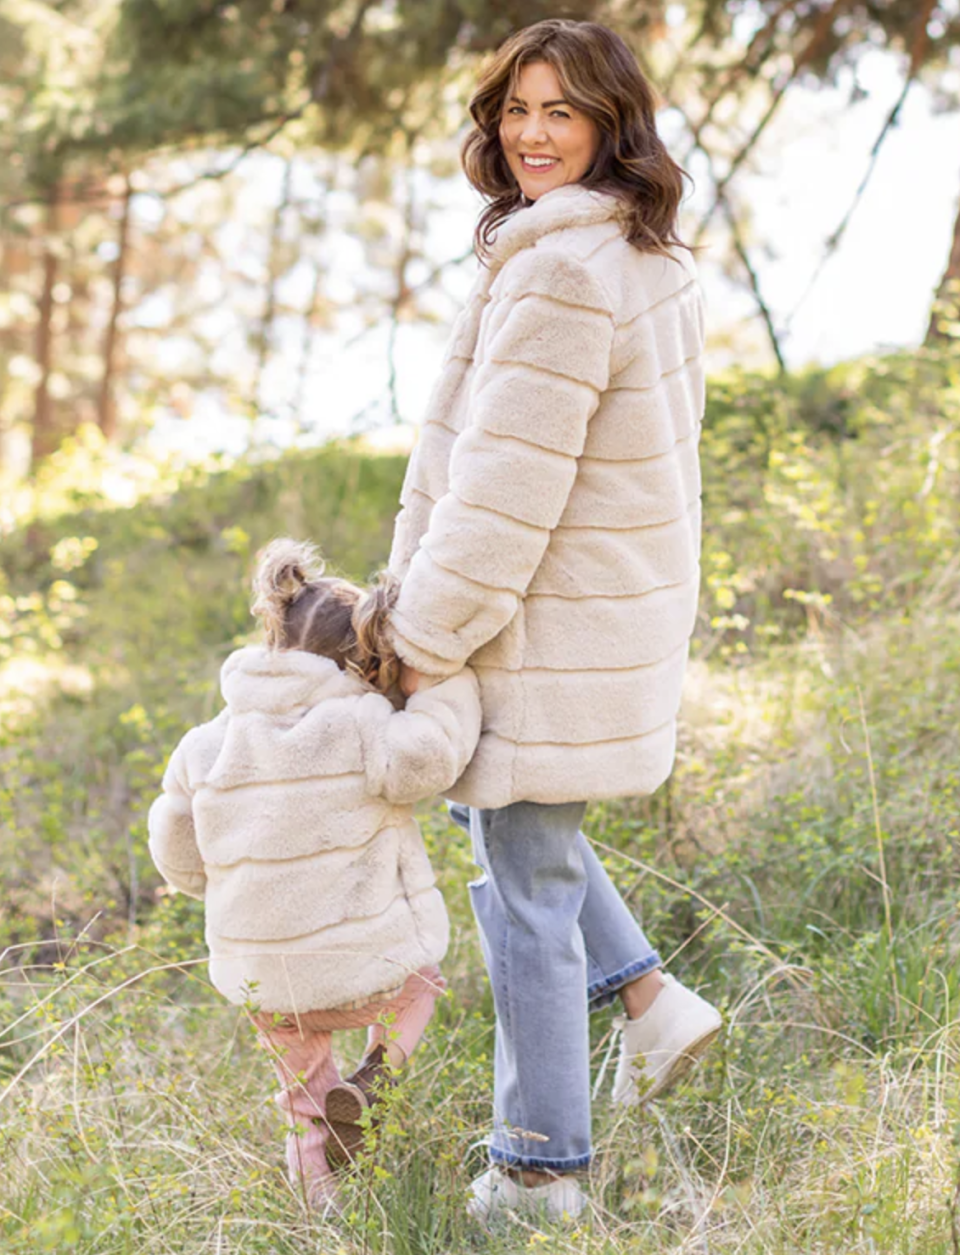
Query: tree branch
[[821, 31], [402, 297], [751, 64], [265, 333], [319, 91], [741, 251], [92, 191], [107, 407], [740, 247], [322, 75], [918, 49]]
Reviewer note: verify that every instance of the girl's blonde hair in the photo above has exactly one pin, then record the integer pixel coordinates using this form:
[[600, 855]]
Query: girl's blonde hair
[[300, 608]]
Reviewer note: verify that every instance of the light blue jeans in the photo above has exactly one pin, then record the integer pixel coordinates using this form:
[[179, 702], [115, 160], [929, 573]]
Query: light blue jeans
[[558, 942]]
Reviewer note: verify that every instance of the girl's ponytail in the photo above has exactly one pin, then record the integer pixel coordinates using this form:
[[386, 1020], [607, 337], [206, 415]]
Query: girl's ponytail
[[285, 568], [299, 609], [374, 658]]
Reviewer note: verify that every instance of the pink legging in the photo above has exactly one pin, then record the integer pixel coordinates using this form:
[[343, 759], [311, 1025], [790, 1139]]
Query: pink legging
[[301, 1049]]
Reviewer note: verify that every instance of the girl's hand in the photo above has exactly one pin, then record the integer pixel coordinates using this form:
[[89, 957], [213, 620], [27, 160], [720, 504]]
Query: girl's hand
[[409, 680]]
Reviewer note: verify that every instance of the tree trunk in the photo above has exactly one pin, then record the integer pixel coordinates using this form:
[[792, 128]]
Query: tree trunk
[[265, 331], [44, 438], [106, 409], [946, 303], [7, 351], [306, 347]]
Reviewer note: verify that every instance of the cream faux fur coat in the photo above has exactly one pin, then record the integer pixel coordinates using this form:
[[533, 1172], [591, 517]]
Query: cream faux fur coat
[[550, 522], [291, 816]]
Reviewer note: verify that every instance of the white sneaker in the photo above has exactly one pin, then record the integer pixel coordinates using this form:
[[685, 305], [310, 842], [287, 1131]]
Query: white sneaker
[[661, 1046], [494, 1194]]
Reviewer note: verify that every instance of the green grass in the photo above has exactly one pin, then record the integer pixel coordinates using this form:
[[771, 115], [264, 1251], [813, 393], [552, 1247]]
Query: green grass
[[801, 869], [826, 1121]]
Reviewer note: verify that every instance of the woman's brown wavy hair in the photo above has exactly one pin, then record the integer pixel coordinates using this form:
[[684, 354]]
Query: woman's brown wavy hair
[[600, 77]]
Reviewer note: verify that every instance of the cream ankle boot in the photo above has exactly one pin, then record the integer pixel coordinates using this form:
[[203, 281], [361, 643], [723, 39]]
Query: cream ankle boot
[[661, 1046], [495, 1194]]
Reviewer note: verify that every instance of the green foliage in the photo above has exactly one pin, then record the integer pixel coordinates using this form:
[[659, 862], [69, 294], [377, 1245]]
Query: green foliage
[[830, 496], [155, 73], [819, 44], [114, 652], [800, 867], [827, 502]]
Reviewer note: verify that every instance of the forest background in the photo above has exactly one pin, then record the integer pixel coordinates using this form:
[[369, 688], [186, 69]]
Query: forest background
[[233, 235]]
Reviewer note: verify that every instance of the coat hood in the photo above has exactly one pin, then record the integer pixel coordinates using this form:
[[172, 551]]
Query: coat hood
[[278, 680]]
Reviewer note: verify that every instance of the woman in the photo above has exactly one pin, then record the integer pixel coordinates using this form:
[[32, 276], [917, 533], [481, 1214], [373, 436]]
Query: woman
[[549, 536]]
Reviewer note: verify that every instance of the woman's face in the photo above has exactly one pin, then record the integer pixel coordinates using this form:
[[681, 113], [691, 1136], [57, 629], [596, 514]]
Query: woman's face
[[546, 142]]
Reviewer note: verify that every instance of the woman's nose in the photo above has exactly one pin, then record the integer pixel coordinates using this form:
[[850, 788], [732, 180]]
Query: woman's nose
[[533, 131]]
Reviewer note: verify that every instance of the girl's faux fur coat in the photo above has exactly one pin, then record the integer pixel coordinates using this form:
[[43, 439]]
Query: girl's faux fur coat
[[291, 816], [550, 521]]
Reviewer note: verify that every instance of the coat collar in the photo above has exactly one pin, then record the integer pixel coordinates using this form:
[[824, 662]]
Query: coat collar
[[572, 205], [569, 206]]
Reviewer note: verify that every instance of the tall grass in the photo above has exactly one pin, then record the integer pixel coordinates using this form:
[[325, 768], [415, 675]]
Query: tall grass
[[138, 1112], [800, 868]]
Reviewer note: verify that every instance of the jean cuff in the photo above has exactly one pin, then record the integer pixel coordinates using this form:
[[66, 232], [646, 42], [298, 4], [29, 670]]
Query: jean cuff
[[602, 992], [535, 1163]]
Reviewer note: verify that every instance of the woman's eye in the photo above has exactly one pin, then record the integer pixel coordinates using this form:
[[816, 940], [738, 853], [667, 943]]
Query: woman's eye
[[557, 113], [515, 109]]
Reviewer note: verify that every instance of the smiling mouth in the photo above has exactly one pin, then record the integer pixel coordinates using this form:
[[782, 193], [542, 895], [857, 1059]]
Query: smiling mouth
[[538, 164]]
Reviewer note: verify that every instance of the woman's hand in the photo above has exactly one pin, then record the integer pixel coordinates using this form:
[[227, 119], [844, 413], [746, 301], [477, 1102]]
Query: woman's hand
[[409, 680]]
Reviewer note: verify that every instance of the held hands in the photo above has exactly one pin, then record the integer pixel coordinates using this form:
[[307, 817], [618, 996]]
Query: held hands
[[409, 680]]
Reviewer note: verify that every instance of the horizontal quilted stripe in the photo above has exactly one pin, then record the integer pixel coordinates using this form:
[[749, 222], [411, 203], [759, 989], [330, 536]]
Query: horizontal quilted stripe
[[638, 282], [484, 546], [516, 403], [632, 424], [502, 772], [291, 813], [337, 965], [617, 495], [252, 751], [675, 295], [566, 341], [357, 884], [580, 563], [578, 708], [640, 629], [568, 635], [519, 480], [464, 335], [655, 346], [429, 472], [553, 273]]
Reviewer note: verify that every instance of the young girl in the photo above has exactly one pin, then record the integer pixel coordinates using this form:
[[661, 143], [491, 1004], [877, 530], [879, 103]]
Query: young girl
[[291, 816]]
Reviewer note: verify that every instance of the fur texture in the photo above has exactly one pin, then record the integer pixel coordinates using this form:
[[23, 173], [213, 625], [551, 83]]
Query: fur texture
[[550, 522], [291, 816]]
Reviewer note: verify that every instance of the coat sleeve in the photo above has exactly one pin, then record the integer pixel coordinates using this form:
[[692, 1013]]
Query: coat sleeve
[[419, 751], [173, 839], [537, 384]]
